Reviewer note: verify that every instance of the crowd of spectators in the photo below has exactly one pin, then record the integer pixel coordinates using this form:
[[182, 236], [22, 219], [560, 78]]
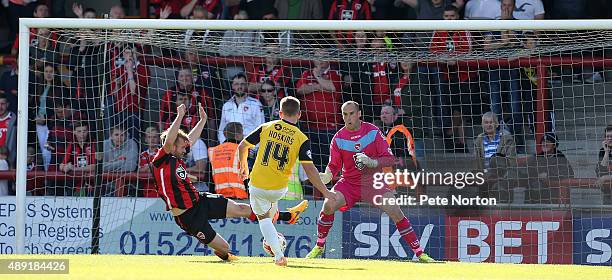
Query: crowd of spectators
[[64, 108]]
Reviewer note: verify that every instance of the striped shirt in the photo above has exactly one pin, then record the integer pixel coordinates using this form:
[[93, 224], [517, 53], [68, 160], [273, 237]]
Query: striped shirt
[[490, 147], [173, 184]]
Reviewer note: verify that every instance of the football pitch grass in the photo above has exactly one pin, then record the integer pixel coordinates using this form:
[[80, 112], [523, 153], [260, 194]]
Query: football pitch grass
[[261, 268]]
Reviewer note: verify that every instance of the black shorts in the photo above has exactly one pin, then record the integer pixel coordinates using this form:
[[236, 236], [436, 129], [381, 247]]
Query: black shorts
[[195, 220]]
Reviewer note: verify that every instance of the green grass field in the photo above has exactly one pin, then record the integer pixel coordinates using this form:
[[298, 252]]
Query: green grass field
[[252, 268]]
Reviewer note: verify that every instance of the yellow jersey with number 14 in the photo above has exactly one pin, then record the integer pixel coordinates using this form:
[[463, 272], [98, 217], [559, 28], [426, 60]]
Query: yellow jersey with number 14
[[281, 143]]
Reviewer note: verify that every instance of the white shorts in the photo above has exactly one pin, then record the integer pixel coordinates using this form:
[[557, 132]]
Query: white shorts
[[263, 201]]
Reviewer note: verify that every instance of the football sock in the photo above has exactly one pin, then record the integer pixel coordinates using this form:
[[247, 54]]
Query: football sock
[[271, 236], [323, 226], [408, 234]]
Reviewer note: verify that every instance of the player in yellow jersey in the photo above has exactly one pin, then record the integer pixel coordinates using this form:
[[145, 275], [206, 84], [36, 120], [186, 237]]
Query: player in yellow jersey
[[281, 143]]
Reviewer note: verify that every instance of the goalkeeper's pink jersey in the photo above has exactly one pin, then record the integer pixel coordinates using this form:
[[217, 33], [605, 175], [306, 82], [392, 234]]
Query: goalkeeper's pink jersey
[[369, 140]]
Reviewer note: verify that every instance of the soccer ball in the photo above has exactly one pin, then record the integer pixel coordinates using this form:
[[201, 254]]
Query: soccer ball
[[281, 240]]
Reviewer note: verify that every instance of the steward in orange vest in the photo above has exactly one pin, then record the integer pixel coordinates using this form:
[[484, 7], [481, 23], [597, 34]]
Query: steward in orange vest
[[226, 164], [399, 138]]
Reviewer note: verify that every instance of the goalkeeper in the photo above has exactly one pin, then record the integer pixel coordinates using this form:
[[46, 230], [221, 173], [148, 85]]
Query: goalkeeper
[[360, 150], [192, 210]]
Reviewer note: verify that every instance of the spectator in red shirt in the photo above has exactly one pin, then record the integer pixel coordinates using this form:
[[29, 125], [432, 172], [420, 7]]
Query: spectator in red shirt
[[8, 129], [80, 156], [206, 76], [368, 82], [35, 186], [379, 77], [320, 90], [402, 83], [40, 11], [348, 10], [190, 118], [60, 132], [152, 142], [458, 84], [129, 88], [271, 70], [197, 94]]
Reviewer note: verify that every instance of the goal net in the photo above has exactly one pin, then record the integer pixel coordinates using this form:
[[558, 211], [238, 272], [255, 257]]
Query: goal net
[[522, 108]]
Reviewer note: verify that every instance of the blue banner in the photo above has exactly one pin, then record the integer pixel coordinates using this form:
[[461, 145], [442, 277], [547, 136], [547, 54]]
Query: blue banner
[[592, 239], [369, 233]]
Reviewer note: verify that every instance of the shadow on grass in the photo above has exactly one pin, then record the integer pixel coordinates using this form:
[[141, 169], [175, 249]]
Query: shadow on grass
[[271, 264], [327, 268]]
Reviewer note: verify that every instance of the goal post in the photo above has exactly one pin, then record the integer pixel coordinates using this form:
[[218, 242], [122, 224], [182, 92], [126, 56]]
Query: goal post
[[162, 45]]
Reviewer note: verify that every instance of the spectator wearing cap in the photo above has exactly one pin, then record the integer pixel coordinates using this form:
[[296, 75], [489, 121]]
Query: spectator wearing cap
[[548, 165]]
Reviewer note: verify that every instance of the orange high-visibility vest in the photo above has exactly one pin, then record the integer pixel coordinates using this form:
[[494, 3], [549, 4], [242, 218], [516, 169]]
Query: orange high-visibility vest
[[225, 169], [409, 143]]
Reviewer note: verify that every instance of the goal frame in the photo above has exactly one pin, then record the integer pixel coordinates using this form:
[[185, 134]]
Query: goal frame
[[25, 24]]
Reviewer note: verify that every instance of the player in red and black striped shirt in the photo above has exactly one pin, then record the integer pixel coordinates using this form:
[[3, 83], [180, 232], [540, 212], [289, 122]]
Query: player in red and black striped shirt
[[191, 209]]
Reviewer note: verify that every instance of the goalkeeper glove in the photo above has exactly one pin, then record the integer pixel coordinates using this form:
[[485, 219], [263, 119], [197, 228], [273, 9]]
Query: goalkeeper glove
[[327, 176], [362, 160]]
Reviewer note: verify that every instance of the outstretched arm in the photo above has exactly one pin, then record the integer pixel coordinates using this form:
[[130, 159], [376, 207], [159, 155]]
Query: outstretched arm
[[174, 128], [196, 131]]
